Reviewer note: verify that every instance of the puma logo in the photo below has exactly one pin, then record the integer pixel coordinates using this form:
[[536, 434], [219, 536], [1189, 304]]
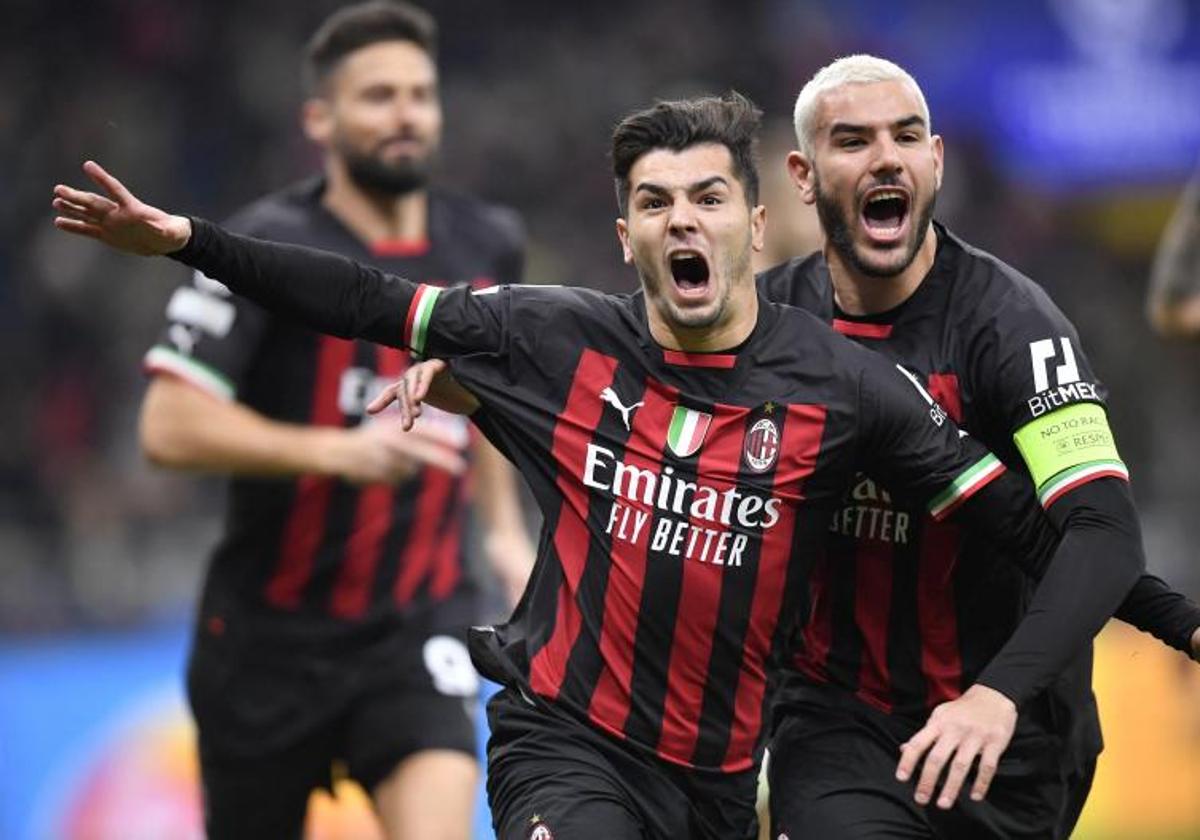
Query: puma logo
[[609, 396]]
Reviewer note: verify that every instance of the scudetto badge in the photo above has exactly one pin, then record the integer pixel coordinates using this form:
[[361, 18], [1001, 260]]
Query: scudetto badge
[[762, 445]]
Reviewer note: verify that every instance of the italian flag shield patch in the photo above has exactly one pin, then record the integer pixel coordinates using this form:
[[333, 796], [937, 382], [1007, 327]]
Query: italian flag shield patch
[[687, 431]]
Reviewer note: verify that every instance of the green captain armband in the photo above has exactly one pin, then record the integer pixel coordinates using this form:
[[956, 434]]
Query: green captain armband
[[1069, 447]]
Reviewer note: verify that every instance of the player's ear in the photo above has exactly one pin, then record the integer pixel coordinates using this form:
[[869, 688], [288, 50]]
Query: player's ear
[[317, 118], [623, 235], [938, 158], [758, 227], [804, 176]]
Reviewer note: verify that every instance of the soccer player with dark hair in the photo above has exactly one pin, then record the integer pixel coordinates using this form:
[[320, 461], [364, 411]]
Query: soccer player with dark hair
[[687, 445], [333, 619], [911, 616], [1173, 303]]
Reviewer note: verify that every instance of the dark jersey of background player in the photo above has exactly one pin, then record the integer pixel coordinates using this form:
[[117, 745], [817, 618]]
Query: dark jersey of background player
[[908, 612], [333, 613], [315, 558], [684, 495], [332, 624]]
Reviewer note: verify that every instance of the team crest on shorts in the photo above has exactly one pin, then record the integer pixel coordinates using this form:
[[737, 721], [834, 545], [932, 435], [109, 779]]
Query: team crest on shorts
[[539, 830], [762, 445]]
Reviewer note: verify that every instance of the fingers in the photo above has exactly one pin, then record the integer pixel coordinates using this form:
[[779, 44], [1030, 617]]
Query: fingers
[[434, 454], [410, 407], [932, 769], [96, 204], [960, 765], [912, 751], [988, 763], [72, 210], [425, 373], [107, 182], [384, 399], [78, 227]]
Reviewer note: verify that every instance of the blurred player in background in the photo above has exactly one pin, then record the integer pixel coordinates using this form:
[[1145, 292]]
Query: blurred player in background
[[333, 613], [909, 613], [1174, 300]]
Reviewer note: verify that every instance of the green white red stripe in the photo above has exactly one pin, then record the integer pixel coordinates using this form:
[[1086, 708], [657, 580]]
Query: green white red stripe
[[420, 311], [968, 483], [687, 430], [166, 360], [1068, 480]]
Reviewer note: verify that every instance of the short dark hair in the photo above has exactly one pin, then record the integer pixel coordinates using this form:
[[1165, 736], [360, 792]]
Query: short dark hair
[[362, 25], [731, 120]]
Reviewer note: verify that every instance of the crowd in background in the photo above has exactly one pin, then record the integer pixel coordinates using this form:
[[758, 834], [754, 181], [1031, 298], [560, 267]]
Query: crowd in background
[[194, 104]]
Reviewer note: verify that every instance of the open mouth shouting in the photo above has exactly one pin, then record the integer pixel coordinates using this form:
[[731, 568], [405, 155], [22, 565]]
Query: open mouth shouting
[[689, 271], [884, 214]]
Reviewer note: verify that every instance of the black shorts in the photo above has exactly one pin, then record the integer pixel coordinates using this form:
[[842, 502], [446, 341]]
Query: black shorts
[[551, 777], [273, 721], [832, 771]]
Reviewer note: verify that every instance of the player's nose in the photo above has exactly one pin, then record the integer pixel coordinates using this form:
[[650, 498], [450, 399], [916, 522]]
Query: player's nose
[[683, 217], [886, 155]]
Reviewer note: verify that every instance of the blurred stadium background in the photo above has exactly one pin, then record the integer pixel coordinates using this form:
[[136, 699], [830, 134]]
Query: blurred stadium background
[[1069, 127]]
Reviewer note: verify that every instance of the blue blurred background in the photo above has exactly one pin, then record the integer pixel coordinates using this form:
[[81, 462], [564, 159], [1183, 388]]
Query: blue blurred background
[[1069, 127]]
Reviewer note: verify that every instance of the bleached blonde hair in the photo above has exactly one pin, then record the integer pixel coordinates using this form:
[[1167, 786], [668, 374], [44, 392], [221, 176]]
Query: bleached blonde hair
[[848, 70]]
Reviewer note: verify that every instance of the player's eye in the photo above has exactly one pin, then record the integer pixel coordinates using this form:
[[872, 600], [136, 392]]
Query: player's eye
[[711, 200], [851, 143], [377, 95]]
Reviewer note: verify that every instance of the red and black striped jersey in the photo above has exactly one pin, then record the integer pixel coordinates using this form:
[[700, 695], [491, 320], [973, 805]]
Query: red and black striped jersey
[[684, 496], [907, 612], [314, 556]]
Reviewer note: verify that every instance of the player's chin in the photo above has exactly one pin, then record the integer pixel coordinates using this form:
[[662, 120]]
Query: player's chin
[[884, 260], [693, 314]]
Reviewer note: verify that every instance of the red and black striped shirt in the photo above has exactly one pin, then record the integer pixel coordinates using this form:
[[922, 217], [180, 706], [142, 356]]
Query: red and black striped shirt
[[908, 613], [684, 497], [315, 556]]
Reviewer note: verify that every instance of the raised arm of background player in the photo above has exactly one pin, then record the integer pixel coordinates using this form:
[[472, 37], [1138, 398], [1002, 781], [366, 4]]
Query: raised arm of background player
[[337, 296], [1173, 303]]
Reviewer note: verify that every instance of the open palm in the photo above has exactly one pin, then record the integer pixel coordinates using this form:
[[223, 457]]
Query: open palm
[[119, 220]]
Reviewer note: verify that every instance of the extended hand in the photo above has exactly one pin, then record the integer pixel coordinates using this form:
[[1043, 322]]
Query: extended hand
[[978, 724], [379, 452], [424, 382], [120, 221]]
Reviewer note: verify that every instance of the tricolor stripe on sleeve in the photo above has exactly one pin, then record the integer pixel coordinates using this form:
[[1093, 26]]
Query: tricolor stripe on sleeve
[[162, 359], [973, 479], [1068, 480], [420, 312]]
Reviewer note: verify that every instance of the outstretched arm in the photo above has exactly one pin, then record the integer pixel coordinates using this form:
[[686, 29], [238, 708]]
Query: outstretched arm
[[1171, 617], [324, 291], [1173, 303]]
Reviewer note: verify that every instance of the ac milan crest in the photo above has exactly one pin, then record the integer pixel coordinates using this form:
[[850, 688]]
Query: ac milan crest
[[762, 445]]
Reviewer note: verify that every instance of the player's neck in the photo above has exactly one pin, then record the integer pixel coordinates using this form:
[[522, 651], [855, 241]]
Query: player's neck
[[374, 217], [861, 294]]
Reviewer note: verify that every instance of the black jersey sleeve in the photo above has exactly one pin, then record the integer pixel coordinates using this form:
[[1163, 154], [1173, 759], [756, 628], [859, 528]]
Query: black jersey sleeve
[[335, 295], [1035, 384], [210, 338], [211, 334], [1156, 608], [912, 447], [1038, 386]]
